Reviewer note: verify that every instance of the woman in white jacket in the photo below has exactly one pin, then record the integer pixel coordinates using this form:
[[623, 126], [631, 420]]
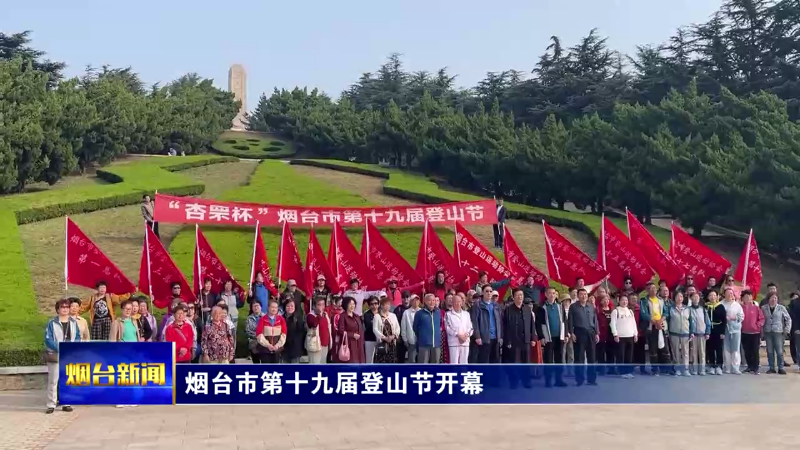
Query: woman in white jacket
[[387, 332], [623, 328], [458, 326], [407, 328]]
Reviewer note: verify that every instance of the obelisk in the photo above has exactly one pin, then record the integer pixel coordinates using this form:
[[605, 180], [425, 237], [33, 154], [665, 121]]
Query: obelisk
[[237, 84]]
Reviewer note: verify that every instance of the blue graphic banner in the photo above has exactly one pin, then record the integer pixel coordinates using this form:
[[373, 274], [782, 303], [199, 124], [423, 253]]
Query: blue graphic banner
[[454, 384], [115, 373]]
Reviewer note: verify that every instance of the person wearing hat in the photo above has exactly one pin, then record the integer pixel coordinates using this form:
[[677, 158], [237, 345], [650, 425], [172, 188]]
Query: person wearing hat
[[321, 288], [359, 295], [299, 299]]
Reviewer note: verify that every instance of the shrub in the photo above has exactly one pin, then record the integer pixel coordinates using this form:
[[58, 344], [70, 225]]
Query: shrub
[[344, 166], [254, 140], [277, 143], [231, 141], [241, 147]]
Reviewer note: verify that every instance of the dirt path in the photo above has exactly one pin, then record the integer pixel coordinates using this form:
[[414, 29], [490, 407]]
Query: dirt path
[[117, 231], [527, 234]]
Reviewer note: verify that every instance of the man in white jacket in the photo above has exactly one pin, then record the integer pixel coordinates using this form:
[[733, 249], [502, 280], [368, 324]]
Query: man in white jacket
[[407, 328], [458, 326]]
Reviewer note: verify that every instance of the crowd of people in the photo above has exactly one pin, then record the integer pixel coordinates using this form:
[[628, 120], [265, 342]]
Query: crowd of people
[[583, 333]]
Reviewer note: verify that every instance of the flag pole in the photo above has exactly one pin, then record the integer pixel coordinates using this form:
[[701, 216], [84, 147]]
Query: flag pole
[[747, 261], [550, 247], [66, 253], [280, 252], [147, 254], [253, 260]]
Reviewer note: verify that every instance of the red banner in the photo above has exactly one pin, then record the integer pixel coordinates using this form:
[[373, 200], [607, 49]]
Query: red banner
[[85, 264], [260, 263], [384, 261], [620, 257], [289, 265], [566, 262], [518, 264], [473, 257], [655, 255], [748, 269], [207, 264], [696, 258], [432, 257], [170, 209], [347, 264], [157, 271], [317, 265]]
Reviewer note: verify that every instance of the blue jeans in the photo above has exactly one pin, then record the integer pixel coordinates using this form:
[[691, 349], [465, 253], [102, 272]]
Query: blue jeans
[[774, 349]]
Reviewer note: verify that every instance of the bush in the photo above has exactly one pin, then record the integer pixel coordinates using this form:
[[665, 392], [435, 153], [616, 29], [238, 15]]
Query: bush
[[254, 140], [344, 166], [277, 143], [20, 321], [241, 147], [231, 141]]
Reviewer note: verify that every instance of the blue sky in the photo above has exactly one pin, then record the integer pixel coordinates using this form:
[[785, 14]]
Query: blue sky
[[329, 44]]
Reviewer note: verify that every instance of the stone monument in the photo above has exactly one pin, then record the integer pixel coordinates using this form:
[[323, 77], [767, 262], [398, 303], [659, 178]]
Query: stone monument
[[237, 84]]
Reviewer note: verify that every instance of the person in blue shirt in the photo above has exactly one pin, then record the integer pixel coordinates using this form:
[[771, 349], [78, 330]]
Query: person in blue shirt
[[259, 291], [428, 330], [487, 324]]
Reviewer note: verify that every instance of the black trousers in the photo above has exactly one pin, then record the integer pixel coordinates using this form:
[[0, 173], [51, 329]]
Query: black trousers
[[658, 356], [606, 356], [498, 235], [714, 351], [402, 351], [473, 352], [551, 357], [751, 344], [585, 353], [271, 358], [520, 356], [793, 347], [488, 352], [625, 355], [639, 354]]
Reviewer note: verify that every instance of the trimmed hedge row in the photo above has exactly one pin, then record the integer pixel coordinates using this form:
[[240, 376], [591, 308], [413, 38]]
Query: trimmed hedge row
[[266, 153], [20, 321], [338, 165]]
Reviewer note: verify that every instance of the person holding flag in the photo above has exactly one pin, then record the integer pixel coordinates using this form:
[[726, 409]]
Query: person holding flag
[[101, 310]]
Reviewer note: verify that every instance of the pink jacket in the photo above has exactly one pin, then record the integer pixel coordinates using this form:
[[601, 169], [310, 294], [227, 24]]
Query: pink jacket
[[753, 319]]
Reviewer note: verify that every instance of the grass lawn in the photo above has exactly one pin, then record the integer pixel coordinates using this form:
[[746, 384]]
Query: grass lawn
[[20, 321], [252, 145]]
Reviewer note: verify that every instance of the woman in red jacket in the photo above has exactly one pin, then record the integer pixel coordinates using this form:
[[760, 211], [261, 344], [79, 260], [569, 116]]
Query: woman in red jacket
[[180, 332]]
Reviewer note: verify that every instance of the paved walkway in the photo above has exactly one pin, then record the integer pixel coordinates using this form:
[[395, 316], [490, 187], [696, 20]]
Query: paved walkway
[[23, 426]]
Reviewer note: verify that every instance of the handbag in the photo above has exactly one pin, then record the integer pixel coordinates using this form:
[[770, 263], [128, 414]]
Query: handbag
[[312, 340], [50, 357], [344, 350], [382, 349]]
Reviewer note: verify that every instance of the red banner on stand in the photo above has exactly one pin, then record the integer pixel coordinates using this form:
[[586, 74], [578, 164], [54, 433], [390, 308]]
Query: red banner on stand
[[518, 264], [157, 271], [384, 261], [170, 209], [696, 258], [317, 265], [208, 265], [85, 264], [621, 258], [473, 257], [748, 269]]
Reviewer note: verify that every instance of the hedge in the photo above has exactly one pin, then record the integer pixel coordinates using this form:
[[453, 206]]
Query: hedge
[[21, 325], [419, 188]]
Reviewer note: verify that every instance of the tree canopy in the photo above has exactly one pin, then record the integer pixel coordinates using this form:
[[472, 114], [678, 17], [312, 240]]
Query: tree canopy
[[703, 127], [50, 126]]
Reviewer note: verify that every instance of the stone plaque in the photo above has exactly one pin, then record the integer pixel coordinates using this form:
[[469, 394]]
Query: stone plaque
[[237, 84]]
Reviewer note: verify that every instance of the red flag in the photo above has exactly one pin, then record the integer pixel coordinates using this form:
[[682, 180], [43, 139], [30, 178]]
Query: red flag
[[157, 271], [473, 257], [260, 263], [621, 258], [748, 269], [347, 264], [518, 264], [384, 261], [433, 256], [317, 265], [208, 265], [659, 260], [85, 264], [696, 258], [289, 265], [566, 262]]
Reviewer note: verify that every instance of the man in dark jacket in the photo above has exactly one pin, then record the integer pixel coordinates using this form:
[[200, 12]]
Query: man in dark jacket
[[207, 300], [552, 334], [531, 293], [487, 327], [519, 335], [499, 227], [584, 330], [297, 296], [428, 330]]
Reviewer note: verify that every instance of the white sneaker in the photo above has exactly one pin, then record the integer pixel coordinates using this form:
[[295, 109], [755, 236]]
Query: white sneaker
[[719, 371], [686, 373], [702, 372], [710, 371], [727, 371], [736, 371], [121, 406]]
